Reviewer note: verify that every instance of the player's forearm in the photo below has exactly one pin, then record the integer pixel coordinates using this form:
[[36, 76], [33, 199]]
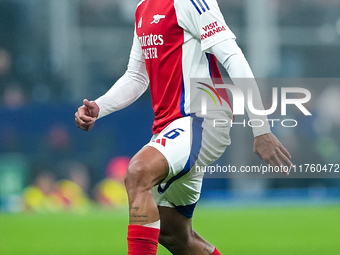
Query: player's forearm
[[125, 91], [233, 60], [242, 76]]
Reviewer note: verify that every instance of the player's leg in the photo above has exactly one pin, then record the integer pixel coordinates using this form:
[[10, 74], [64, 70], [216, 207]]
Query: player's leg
[[178, 236], [178, 196], [165, 153], [146, 169]]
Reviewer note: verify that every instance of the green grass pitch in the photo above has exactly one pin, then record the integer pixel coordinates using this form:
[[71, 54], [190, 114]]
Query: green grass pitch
[[239, 231]]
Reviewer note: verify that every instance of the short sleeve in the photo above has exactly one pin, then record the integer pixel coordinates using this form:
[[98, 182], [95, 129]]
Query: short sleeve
[[204, 20]]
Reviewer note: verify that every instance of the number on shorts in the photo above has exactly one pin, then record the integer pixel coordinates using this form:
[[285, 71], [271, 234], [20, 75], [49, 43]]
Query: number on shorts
[[173, 133]]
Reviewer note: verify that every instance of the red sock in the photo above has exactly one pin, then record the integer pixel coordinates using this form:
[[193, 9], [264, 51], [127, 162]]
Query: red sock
[[216, 252], [142, 240]]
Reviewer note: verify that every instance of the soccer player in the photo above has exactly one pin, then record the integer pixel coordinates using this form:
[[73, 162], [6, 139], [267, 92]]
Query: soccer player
[[174, 41]]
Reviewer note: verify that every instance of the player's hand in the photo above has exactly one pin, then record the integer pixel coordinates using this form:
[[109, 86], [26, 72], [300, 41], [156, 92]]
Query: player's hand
[[270, 149], [87, 115]]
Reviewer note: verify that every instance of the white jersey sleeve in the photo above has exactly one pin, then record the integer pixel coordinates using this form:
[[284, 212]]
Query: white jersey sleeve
[[129, 87], [204, 21], [231, 57]]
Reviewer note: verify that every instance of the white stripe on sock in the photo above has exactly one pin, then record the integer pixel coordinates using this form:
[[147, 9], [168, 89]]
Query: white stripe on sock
[[156, 224]]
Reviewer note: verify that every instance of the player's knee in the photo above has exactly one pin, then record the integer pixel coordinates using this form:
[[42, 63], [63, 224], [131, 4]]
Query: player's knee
[[137, 177], [169, 241], [175, 241]]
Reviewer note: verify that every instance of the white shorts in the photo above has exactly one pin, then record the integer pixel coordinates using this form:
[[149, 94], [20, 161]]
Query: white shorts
[[185, 143]]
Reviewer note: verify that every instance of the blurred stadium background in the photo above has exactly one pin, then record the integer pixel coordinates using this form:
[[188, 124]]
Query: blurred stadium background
[[61, 188]]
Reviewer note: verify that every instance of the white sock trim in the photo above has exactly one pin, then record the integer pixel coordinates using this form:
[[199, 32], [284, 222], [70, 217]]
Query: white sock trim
[[156, 224]]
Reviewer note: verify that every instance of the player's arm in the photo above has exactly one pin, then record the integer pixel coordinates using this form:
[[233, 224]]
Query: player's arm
[[202, 21], [266, 145], [129, 87], [123, 93], [231, 57]]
